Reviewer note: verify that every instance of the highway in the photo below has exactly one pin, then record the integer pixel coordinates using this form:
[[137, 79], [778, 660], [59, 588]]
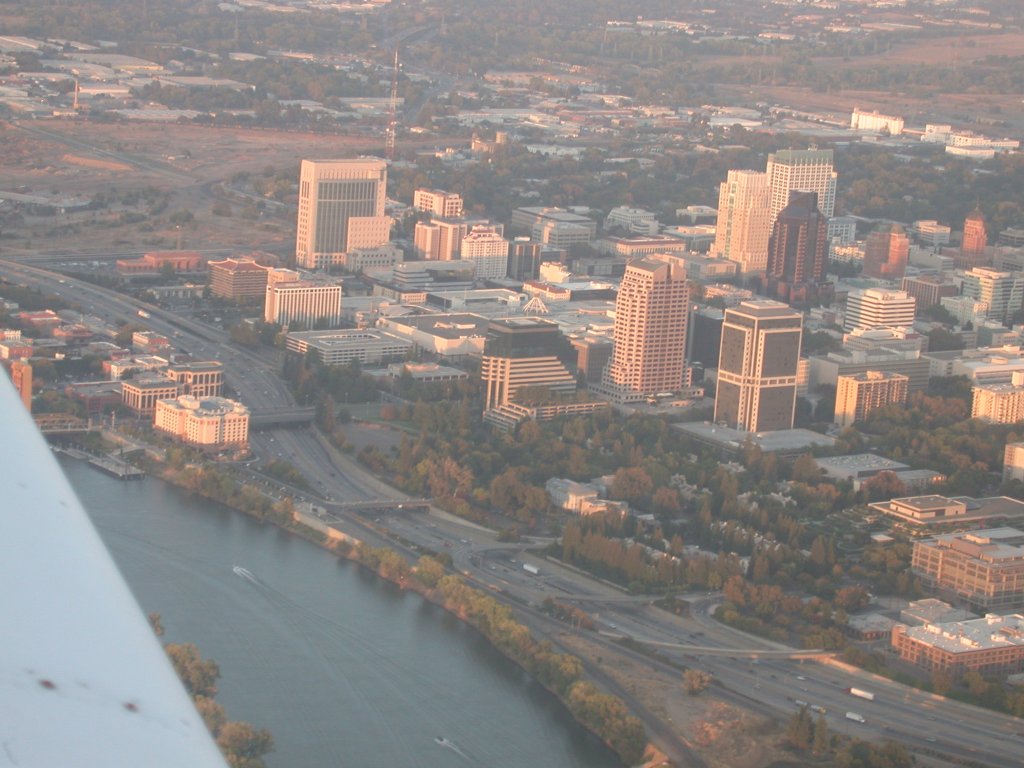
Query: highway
[[766, 677]]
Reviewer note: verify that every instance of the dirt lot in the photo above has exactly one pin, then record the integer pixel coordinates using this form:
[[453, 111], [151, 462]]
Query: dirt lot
[[187, 163]]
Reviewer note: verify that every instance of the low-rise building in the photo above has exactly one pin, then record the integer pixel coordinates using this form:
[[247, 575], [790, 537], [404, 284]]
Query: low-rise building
[[993, 645], [982, 568], [340, 347], [570, 495], [959, 511]]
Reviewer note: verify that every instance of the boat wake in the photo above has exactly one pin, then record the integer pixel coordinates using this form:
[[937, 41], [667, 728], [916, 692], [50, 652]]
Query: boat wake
[[441, 741], [245, 573]]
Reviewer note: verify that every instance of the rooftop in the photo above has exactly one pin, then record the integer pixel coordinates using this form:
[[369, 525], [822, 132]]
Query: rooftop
[[992, 631]]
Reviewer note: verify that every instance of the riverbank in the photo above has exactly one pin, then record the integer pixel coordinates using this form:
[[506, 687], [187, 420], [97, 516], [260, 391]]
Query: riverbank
[[602, 714]]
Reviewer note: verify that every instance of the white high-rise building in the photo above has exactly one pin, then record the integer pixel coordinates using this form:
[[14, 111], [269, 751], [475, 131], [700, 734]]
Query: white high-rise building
[[807, 170], [341, 208], [877, 308], [487, 250], [744, 220]]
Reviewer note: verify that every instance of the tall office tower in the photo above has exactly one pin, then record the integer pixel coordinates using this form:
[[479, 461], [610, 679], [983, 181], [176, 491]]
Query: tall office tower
[[975, 241], [525, 352], [486, 249], [310, 302], [524, 257], [798, 250], [651, 312], [859, 394], [804, 169], [21, 375], [1002, 292], [876, 308], [744, 221], [757, 366], [886, 251], [341, 208], [447, 205]]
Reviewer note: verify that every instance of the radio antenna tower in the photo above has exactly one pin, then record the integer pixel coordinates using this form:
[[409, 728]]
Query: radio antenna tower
[[389, 141]]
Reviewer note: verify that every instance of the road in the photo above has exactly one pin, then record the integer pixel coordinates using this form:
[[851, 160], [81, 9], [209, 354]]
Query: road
[[763, 676]]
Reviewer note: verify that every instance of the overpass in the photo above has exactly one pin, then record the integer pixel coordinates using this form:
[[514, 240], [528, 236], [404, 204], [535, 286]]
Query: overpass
[[379, 505], [281, 417], [61, 424]]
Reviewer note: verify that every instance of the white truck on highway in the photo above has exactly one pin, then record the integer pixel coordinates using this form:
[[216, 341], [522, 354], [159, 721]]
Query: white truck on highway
[[531, 569], [860, 693], [855, 717]]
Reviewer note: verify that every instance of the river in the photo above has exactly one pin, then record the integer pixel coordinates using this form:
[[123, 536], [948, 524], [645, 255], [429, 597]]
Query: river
[[343, 668]]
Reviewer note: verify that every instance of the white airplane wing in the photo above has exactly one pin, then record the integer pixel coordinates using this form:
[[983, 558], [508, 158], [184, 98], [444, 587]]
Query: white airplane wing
[[83, 679]]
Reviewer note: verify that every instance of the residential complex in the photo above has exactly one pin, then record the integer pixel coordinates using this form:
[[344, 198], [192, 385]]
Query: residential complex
[[860, 394], [999, 403]]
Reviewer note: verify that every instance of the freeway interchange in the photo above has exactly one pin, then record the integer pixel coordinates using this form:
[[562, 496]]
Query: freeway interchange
[[752, 672]]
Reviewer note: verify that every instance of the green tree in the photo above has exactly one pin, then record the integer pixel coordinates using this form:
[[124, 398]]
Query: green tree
[[696, 681], [244, 746], [822, 739]]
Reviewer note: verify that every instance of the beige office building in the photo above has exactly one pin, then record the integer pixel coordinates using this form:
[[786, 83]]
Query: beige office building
[[744, 221], [1000, 403], [861, 393], [757, 366], [341, 208], [651, 314], [237, 279]]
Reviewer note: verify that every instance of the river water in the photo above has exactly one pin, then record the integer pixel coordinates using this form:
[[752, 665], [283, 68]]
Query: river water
[[343, 668]]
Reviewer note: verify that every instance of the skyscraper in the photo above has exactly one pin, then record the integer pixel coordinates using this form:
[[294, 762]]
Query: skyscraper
[[886, 251], [651, 312], [341, 208], [801, 169], [975, 241], [744, 221], [757, 366], [798, 250]]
